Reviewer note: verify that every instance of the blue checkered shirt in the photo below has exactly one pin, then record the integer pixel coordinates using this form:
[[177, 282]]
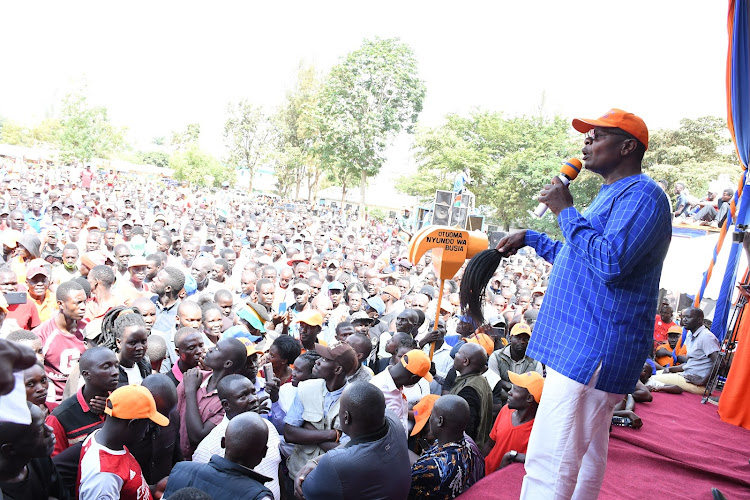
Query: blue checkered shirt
[[604, 284]]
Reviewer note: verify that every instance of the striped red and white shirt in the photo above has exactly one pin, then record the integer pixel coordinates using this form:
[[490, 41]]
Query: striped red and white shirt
[[105, 474]]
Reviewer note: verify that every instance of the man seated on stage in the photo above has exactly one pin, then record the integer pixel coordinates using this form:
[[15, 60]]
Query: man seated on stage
[[702, 351], [647, 384], [662, 324], [509, 436], [670, 354]]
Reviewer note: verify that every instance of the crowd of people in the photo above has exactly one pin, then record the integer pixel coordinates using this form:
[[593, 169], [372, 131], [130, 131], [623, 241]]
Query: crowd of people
[[198, 344]]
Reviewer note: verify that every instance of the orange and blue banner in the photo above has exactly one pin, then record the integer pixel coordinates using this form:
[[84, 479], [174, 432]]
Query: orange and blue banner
[[738, 122]]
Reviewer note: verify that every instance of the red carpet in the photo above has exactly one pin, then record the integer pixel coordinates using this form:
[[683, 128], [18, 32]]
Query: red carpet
[[682, 451]]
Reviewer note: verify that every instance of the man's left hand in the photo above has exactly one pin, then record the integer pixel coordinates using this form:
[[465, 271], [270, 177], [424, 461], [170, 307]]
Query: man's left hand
[[507, 460], [272, 389], [556, 196], [97, 404], [694, 379], [306, 469]]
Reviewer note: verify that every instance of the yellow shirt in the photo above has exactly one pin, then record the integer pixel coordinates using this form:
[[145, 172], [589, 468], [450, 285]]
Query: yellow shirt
[[47, 307]]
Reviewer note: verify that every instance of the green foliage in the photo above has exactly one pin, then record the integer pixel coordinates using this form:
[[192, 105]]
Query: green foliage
[[697, 153], [296, 132], [185, 139], [376, 213], [200, 168], [509, 160], [366, 100], [248, 136], [15, 134], [696, 175], [46, 133], [156, 158], [704, 139], [85, 131]]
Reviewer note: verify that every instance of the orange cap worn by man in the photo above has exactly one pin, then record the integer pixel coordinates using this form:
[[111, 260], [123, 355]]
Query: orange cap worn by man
[[484, 340], [531, 381], [510, 432], [418, 363], [616, 118], [106, 466], [422, 412], [520, 328], [310, 317]]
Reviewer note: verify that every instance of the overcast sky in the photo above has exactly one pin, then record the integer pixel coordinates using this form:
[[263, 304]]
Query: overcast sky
[[160, 65]]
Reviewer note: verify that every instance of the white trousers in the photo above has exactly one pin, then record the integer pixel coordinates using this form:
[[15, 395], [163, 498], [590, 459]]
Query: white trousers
[[567, 452]]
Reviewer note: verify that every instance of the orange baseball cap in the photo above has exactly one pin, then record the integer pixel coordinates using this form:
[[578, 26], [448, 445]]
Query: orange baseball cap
[[520, 328], [531, 381], [617, 118], [483, 340], [311, 317], [422, 411], [393, 291], [418, 363], [675, 329], [134, 402]]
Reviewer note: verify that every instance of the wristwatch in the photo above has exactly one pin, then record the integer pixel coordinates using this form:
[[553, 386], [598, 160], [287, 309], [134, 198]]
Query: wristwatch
[[513, 455]]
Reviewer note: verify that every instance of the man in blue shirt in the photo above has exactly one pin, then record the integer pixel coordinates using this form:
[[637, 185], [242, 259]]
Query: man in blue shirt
[[35, 216], [373, 464], [232, 476], [595, 326]]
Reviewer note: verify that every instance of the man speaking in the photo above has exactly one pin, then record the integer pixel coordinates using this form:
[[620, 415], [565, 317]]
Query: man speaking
[[594, 329]]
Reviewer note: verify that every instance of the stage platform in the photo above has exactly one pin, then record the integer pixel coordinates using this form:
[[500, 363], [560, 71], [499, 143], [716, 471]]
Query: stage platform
[[682, 451]]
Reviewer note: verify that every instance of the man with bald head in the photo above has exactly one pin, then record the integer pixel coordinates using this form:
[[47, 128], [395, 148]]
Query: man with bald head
[[248, 279], [324, 306], [407, 321], [189, 314], [197, 399], [237, 394], [147, 310], [470, 362], [122, 258], [231, 476], [450, 455], [79, 415], [362, 345], [376, 462]]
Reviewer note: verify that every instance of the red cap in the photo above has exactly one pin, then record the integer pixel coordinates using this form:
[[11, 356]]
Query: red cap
[[616, 118]]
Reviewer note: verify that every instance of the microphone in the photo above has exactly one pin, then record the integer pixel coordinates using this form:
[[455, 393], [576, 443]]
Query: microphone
[[569, 171]]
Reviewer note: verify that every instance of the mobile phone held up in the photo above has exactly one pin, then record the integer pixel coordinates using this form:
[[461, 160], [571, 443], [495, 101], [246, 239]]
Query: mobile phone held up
[[268, 372], [282, 308], [13, 298]]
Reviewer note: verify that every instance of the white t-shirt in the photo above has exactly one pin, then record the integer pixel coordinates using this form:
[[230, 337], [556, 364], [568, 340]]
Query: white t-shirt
[[134, 374]]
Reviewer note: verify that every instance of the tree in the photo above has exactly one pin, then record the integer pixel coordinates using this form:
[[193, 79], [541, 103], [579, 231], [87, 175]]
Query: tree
[[366, 100], [697, 153], [199, 168], [15, 134], [156, 158], [248, 135], [509, 160], [295, 122], [85, 131], [704, 139], [47, 132], [185, 139]]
